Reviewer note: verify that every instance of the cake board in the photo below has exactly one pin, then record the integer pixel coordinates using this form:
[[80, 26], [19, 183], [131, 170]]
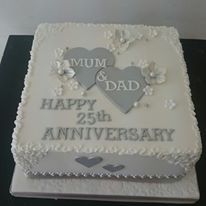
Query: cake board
[[184, 190]]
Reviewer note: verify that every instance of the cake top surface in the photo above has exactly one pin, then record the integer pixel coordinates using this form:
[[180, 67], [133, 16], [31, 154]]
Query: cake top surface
[[107, 88]]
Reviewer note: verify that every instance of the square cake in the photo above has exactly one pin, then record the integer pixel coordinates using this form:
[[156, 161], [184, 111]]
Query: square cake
[[106, 100]]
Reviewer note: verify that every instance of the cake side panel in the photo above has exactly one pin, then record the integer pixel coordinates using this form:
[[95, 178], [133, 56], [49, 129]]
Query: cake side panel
[[105, 165]]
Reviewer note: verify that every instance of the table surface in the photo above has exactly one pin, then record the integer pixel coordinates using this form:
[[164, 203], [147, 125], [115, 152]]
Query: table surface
[[13, 68]]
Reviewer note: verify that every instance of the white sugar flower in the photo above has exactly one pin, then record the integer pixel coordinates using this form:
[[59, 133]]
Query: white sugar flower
[[58, 53], [153, 75], [73, 84], [148, 90], [120, 40], [58, 91], [169, 104], [142, 63], [61, 68], [55, 65], [108, 34], [153, 33], [139, 36], [111, 47], [63, 71], [65, 74], [83, 93], [58, 64]]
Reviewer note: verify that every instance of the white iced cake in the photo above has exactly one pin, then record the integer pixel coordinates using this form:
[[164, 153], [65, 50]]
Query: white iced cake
[[106, 100]]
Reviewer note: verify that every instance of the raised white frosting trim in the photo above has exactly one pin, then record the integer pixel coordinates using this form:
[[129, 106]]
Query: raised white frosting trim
[[99, 175]]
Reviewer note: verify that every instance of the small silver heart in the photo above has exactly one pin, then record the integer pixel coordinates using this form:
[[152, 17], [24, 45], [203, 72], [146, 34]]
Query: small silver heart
[[89, 161], [113, 168]]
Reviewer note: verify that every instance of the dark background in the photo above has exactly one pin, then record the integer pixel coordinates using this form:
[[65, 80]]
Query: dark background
[[13, 68]]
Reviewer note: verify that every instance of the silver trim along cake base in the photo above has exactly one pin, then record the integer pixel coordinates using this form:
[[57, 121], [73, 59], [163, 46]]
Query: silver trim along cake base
[[184, 190]]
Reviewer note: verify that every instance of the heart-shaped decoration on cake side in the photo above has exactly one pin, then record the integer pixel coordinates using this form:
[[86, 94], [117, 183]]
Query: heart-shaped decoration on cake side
[[122, 87], [87, 63], [113, 168], [89, 161]]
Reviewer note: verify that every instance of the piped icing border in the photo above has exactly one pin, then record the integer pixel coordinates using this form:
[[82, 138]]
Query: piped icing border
[[100, 175], [29, 154]]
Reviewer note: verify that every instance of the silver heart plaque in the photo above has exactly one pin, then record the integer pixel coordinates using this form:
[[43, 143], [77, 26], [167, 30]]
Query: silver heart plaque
[[89, 161], [113, 168], [87, 63], [122, 87]]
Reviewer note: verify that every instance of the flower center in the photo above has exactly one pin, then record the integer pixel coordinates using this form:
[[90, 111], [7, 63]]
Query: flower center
[[152, 74], [60, 71]]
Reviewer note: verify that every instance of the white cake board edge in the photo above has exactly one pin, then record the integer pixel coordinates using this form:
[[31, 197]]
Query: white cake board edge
[[184, 190]]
